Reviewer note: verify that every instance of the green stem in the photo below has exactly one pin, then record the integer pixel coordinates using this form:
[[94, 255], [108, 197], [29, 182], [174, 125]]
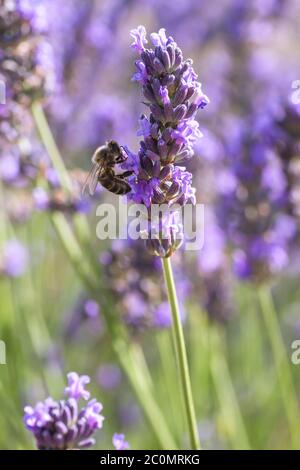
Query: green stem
[[73, 249], [140, 384], [282, 364], [181, 355], [165, 350], [50, 145], [224, 387], [79, 220]]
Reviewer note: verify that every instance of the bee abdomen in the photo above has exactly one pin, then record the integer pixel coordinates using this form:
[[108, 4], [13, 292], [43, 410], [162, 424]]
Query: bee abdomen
[[115, 185]]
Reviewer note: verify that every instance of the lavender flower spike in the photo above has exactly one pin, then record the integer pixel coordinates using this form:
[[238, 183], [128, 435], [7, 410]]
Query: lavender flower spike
[[173, 95], [27, 62], [63, 425], [119, 442]]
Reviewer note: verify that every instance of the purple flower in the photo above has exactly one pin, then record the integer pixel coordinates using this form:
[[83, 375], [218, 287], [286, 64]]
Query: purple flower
[[173, 95], [134, 302], [27, 61], [129, 414], [119, 442], [14, 259], [64, 425], [92, 413], [132, 276], [22, 155], [212, 255], [41, 198], [91, 308], [251, 209], [285, 137], [162, 316], [9, 168], [159, 39], [56, 198], [213, 286], [76, 384], [139, 38], [84, 318]]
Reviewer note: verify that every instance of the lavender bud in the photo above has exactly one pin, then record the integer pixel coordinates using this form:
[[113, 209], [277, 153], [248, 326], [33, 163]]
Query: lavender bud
[[191, 110], [179, 112], [158, 196], [180, 95], [157, 112], [148, 93], [171, 52], [166, 60], [173, 190], [162, 148], [178, 58], [158, 66], [166, 172]]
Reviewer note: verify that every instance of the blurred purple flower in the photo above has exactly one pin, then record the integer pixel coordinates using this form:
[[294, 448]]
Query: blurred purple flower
[[91, 308], [212, 283], [41, 198], [132, 274], [250, 210], [84, 319], [27, 59], [14, 260], [162, 316], [129, 414], [109, 376], [212, 255], [9, 168]]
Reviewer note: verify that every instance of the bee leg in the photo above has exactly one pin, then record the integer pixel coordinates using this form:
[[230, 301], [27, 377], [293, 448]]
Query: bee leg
[[121, 159], [125, 174], [118, 159]]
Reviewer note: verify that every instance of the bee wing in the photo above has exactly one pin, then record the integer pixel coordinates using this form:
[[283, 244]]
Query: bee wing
[[91, 180]]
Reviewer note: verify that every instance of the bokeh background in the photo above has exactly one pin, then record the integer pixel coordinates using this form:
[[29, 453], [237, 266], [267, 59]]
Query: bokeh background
[[62, 303]]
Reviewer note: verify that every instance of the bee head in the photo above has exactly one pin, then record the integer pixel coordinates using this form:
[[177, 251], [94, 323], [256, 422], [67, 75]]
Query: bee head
[[114, 147]]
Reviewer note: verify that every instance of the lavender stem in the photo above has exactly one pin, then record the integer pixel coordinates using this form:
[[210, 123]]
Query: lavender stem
[[181, 353], [224, 387], [48, 140], [282, 365]]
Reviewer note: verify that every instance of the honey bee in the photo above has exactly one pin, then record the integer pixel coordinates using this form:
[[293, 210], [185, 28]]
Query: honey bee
[[102, 171]]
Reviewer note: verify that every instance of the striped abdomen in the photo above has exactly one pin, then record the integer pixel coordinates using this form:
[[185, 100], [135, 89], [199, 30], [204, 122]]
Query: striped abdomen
[[113, 183]]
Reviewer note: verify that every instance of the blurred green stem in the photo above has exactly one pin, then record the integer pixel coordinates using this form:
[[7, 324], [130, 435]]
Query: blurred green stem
[[181, 354], [130, 357], [50, 145], [282, 364], [229, 405], [73, 249], [79, 220], [140, 384], [169, 380]]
